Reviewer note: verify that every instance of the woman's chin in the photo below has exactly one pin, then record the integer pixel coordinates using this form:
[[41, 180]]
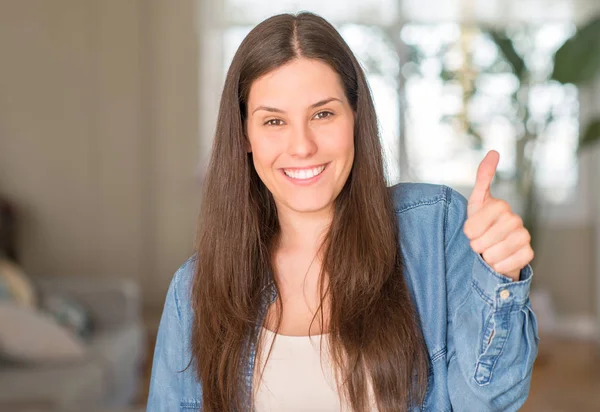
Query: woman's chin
[[309, 205]]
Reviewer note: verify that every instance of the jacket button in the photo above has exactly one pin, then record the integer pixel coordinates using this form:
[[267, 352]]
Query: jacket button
[[504, 294]]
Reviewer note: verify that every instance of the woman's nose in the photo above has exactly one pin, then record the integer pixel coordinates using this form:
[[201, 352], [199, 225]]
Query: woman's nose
[[302, 142]]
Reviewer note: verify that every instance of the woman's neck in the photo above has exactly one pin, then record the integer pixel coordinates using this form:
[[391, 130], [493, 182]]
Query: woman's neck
[[302, 231]]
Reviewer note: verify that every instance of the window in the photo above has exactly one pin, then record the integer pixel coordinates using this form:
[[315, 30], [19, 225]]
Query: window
[[437, 128], [463, 98]]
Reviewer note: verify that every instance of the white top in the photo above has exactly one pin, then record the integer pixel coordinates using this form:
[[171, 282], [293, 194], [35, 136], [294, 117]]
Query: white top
[[298, 376]]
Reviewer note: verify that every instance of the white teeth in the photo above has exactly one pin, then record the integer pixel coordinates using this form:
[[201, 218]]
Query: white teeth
[[304, 173]]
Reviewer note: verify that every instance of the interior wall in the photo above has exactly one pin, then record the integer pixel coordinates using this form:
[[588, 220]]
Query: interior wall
[[99, 138]]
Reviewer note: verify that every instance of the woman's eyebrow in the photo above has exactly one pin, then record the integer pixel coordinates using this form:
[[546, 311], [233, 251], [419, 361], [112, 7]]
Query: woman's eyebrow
[[268, 109], [312, 106], [324, 102]]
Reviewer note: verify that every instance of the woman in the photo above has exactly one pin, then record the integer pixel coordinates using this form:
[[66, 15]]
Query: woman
[[317, 288]]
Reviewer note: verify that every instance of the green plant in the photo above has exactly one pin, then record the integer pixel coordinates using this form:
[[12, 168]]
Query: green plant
[[577, 61]]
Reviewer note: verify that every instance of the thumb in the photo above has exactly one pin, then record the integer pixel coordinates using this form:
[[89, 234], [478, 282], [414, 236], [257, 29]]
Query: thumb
[[483, 182]]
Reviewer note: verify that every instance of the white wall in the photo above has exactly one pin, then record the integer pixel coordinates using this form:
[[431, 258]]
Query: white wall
[[593, 156], [99, 135]]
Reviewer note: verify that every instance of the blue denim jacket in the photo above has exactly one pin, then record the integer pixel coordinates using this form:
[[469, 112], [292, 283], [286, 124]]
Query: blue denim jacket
[[480, 331]]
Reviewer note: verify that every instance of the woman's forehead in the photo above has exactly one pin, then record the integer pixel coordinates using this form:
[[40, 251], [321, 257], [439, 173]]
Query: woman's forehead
[[302, 82]]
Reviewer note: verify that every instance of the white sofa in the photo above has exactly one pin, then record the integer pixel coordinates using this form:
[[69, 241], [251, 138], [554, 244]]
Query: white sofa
[[110, 374]]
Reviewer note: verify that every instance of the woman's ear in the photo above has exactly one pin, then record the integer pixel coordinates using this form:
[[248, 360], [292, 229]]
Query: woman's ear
[[247, 143]]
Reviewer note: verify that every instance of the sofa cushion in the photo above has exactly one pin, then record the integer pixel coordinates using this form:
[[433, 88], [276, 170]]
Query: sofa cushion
[[68, 313], [77, 385], [15, 285], [34, 337], [122, 349]]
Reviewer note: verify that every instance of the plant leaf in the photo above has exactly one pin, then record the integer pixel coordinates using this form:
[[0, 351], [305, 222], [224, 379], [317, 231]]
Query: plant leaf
[[578, 59], [508, 50], [591, 134]]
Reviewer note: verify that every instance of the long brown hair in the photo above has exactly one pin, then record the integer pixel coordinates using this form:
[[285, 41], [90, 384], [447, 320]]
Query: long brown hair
[[374, 333]]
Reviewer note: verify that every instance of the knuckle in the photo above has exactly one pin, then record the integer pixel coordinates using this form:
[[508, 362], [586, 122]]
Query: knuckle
[[474, 245], [497, 267], [488, 257], [517, 220], [469, 229], [477, 247], [503, 205]]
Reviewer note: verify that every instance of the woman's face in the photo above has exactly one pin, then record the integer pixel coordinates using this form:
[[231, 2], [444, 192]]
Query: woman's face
[[300, 128]]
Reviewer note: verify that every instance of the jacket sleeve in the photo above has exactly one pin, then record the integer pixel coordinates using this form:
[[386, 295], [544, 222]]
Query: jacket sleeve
[[168, 362], [492, 331]]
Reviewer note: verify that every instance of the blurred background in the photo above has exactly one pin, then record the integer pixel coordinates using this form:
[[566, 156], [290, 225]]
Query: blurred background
[[107, 112]]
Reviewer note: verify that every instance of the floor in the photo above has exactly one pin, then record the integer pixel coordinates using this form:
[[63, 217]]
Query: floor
[[566, 377]]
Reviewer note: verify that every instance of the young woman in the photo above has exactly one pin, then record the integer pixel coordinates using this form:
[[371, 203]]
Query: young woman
[[317, 288]]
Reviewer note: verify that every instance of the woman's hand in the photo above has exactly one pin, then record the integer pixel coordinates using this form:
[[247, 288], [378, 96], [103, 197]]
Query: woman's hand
[[495, 232]]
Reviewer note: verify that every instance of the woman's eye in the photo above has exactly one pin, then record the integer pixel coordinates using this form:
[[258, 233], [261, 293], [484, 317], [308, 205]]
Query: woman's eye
[[323, 115], [274, 122]]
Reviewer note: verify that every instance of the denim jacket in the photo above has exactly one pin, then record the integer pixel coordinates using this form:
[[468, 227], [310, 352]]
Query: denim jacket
[[480, 331]]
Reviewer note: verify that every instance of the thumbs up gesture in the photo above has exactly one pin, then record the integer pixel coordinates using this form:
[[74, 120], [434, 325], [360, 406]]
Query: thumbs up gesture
[[495, 232]]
